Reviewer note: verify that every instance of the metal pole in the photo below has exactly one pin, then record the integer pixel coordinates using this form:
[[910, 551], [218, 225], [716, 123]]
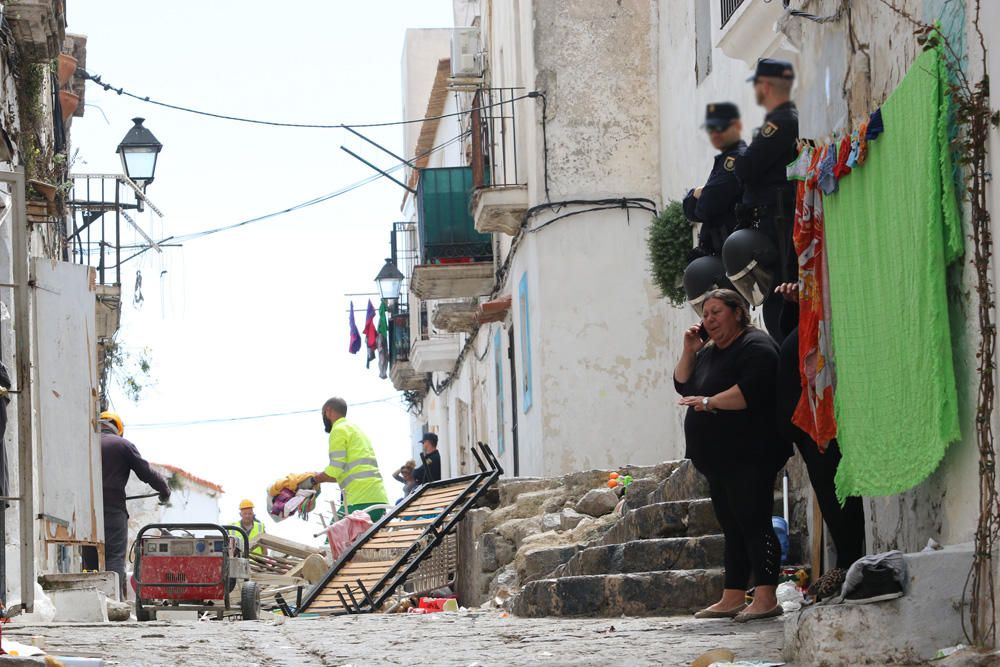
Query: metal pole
[[22, 336]]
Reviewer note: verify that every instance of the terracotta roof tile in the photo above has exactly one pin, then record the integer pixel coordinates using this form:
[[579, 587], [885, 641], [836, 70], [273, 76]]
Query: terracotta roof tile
[[194, 478]]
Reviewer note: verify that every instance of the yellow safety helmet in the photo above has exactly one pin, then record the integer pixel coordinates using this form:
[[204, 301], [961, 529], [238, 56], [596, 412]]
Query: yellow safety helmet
[[114, 419], [246, 505]]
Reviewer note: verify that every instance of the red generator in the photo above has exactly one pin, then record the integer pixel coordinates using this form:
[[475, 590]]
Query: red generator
[[189, 572]]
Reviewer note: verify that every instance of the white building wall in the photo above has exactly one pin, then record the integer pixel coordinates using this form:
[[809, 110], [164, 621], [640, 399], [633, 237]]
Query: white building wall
[[422, 49]]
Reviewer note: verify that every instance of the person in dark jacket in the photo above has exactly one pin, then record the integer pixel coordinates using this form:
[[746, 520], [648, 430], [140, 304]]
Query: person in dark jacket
[[727, 384], [714, 204], [430, 471], [120, 458], [768, 195]]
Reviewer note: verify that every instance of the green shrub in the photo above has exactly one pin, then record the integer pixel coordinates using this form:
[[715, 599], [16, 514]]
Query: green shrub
[[669, 243]]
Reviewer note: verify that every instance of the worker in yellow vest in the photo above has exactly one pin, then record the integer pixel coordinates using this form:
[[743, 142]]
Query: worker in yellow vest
[[352, 463], [251, 524]]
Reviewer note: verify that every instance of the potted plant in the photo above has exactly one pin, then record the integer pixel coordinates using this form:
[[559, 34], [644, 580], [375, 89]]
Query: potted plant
[[69, 101], [66, 66], [669, 243]]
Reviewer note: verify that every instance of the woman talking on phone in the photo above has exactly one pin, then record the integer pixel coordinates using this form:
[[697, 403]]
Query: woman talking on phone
[[726, 377]]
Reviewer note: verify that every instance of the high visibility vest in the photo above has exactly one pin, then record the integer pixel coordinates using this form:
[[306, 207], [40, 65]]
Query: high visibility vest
[[256, 529], [353, 465]]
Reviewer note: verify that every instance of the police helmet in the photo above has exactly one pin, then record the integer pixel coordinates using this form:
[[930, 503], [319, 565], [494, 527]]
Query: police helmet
[[751, 260], [701, 277]]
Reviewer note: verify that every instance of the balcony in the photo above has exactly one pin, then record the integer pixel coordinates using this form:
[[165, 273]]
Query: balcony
[[456, 261], [436, 353], [456, 317], [501, 195], [39, 27], [404, 377], [747, 30]]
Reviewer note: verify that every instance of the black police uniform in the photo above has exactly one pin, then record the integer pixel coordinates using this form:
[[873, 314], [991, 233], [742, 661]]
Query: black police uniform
[[715, 208], [768, 195]]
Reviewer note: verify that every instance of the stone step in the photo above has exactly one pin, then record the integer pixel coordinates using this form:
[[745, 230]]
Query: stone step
[[634, 594], [684, 483], [679, 518], [672, 553]]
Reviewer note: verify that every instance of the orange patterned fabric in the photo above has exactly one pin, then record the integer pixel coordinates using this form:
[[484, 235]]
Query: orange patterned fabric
[[814, 413]]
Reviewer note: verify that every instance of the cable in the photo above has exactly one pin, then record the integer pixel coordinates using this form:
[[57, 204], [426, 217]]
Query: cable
[[222, 420], [312, 202], [96, 78], [813, 17]]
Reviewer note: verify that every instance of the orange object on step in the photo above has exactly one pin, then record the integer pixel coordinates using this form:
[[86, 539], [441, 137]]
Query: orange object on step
[[612, 483], [613, 475]]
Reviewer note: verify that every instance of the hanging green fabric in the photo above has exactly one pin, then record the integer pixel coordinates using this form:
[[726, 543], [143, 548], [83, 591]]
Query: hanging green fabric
[[383, 325], [892, 230]]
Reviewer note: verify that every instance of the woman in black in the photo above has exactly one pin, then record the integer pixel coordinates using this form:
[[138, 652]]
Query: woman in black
[[728, 385]]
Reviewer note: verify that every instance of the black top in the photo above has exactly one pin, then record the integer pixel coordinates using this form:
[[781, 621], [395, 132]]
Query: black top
[[430, 471], [761, 168], [119, 458], [730, 438], [719, 196]]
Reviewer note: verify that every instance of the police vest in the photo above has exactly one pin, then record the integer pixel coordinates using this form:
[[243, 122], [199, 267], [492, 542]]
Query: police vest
[[353, 465]]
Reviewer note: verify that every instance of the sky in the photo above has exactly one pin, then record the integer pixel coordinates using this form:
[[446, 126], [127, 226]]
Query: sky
[[253, 321]]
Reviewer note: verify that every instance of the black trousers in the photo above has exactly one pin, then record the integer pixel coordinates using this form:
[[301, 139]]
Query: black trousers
[[743, 499], [116, 544], [846, 523]]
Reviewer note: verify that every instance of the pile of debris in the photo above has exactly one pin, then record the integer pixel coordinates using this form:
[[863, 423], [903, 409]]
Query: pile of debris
[[569, 545], [286, 568]]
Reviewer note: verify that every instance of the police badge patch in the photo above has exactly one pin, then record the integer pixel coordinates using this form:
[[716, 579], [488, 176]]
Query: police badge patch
[[730, 163], [769, 129]]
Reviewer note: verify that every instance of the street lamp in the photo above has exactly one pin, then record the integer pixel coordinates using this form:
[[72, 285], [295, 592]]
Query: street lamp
[[138, 151], [389, 280]]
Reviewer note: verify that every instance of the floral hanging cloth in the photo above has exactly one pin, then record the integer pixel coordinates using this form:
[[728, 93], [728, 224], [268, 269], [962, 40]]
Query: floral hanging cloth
[[814, 413]]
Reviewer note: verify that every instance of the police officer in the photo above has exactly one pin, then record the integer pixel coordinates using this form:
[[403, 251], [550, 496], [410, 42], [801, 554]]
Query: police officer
[[768, 196], [713, 204]]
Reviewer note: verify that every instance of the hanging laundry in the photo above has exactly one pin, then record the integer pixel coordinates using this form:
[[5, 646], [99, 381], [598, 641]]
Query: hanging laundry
[[798, 169], [852, 158], [814, 413], [843, 150], [826, 179], [383, 342], [863, 142], [355, 344], [371, 334], [875, 125], [891, 233]]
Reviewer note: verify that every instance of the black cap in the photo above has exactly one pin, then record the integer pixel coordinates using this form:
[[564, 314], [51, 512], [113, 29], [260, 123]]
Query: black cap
[[720, 115], [430, 436], [778, 69]]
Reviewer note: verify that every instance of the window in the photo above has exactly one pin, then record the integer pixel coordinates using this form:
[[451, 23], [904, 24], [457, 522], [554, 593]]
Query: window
[[702, 39], [729, 8], [498, 366], [526, 384]]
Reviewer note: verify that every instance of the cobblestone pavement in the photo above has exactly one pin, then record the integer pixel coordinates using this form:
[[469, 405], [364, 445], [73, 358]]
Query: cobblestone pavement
[[483, 639]]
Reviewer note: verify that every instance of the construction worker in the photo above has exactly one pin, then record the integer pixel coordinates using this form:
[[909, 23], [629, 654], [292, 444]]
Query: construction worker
[[119, 459], [352, 463], [251, 524]]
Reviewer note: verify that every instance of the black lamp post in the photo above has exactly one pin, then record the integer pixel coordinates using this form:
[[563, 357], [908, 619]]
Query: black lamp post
[[138, 151], [389, 280]]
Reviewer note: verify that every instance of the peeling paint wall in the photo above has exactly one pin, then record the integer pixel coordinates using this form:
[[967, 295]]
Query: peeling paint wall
[[845, 71]]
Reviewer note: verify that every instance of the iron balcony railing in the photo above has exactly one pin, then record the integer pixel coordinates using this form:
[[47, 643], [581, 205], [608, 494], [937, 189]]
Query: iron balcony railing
[[98, 235], [729, 8], [494, 138]]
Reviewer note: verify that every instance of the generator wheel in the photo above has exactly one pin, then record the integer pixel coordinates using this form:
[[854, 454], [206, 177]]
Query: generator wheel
[[250, 601], [141, 614]]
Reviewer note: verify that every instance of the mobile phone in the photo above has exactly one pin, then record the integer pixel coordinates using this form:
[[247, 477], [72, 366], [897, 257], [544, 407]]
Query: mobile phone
[[702, 332]]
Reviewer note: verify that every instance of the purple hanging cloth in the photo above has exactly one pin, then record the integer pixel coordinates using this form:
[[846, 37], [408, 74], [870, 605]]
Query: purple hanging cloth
[[355, 334]]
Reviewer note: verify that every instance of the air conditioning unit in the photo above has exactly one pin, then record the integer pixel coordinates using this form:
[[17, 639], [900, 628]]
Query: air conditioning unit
[[466, 57]]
